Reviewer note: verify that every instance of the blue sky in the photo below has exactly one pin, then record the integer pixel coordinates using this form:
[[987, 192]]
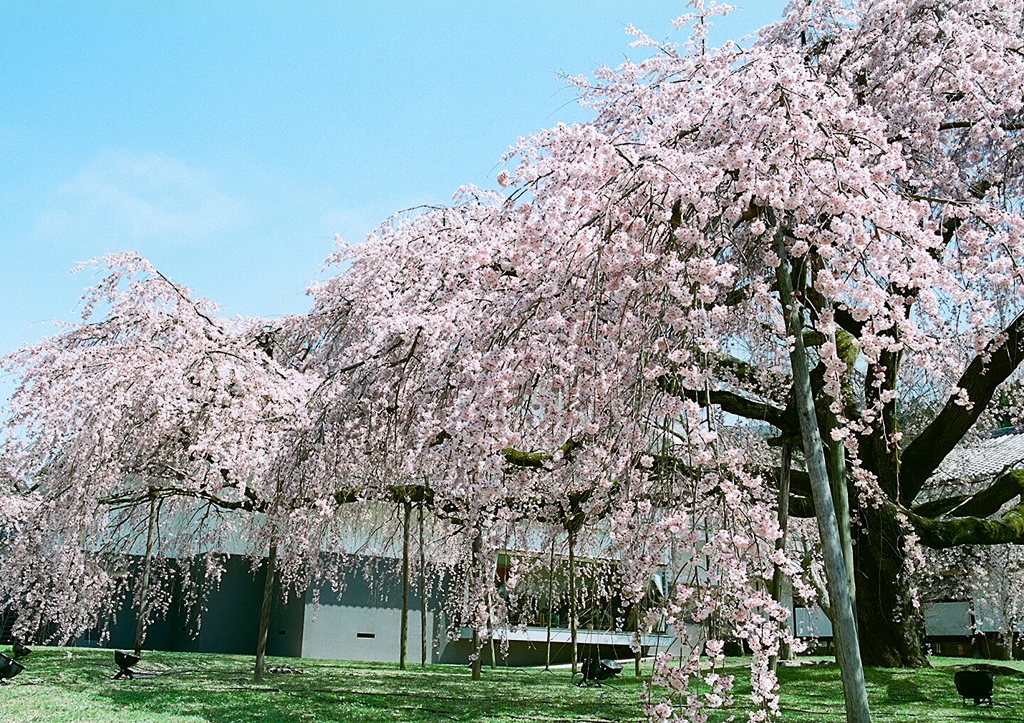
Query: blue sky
[[229, 141]]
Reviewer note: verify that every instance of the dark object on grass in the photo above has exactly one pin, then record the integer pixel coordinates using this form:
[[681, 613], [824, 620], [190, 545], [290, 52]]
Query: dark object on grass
[[595, 670], [976, 684], [125, 661], [9, 667], [20, 649]]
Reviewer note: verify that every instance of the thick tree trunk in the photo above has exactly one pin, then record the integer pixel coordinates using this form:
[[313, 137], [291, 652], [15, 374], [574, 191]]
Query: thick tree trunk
[[889, 624], [265, 609]]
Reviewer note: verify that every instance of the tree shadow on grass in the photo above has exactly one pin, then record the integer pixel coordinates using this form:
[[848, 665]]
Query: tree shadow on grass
[[814, 692], [355, 696]]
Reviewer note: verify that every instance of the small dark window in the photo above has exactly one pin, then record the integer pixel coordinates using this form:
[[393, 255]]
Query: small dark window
[[366, 635]]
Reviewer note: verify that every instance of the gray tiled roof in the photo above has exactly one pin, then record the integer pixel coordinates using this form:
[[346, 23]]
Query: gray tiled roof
[[983, 458]]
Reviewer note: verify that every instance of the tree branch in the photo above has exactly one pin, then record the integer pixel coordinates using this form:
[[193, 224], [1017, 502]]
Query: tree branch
[[985, 373], [843, 318], [983, 503], [729, 402], [940, 534], [538, 460]]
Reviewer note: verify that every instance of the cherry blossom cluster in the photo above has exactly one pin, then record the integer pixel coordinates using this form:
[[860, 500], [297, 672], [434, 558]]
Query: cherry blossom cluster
[[589, 359]]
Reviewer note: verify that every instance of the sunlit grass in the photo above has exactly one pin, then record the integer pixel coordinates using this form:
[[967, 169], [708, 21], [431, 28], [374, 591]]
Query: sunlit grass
[[61, 685]]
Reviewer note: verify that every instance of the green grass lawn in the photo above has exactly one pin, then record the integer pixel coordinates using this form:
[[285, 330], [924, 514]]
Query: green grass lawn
[[75, 685]]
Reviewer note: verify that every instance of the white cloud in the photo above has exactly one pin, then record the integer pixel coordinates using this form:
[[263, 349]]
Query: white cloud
[[125, 197]]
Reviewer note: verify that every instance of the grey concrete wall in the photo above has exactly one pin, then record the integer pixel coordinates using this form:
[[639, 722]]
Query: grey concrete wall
[[363, 621], [229, 623], [349, 632]]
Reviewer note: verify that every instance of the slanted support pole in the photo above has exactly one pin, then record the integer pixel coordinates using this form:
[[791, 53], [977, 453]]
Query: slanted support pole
[[147, 572], [779, 578], [476, 665], [573, 621], [265, 609], [423, 593], [844, 622], [403, 661]]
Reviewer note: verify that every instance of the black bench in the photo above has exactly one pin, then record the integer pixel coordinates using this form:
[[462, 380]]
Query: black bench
[[976, 684]]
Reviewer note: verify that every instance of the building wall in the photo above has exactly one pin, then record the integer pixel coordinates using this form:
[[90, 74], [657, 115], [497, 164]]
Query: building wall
[[363, 621], [229, 622], [349, 632], [529, 646], [942, 620]]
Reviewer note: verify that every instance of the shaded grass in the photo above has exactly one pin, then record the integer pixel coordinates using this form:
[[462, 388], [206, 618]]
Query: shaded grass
[[815, 694], [61, 685]]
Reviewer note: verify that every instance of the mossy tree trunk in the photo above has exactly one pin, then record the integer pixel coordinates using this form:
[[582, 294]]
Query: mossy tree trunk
[[889, 623], [900, 466]]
